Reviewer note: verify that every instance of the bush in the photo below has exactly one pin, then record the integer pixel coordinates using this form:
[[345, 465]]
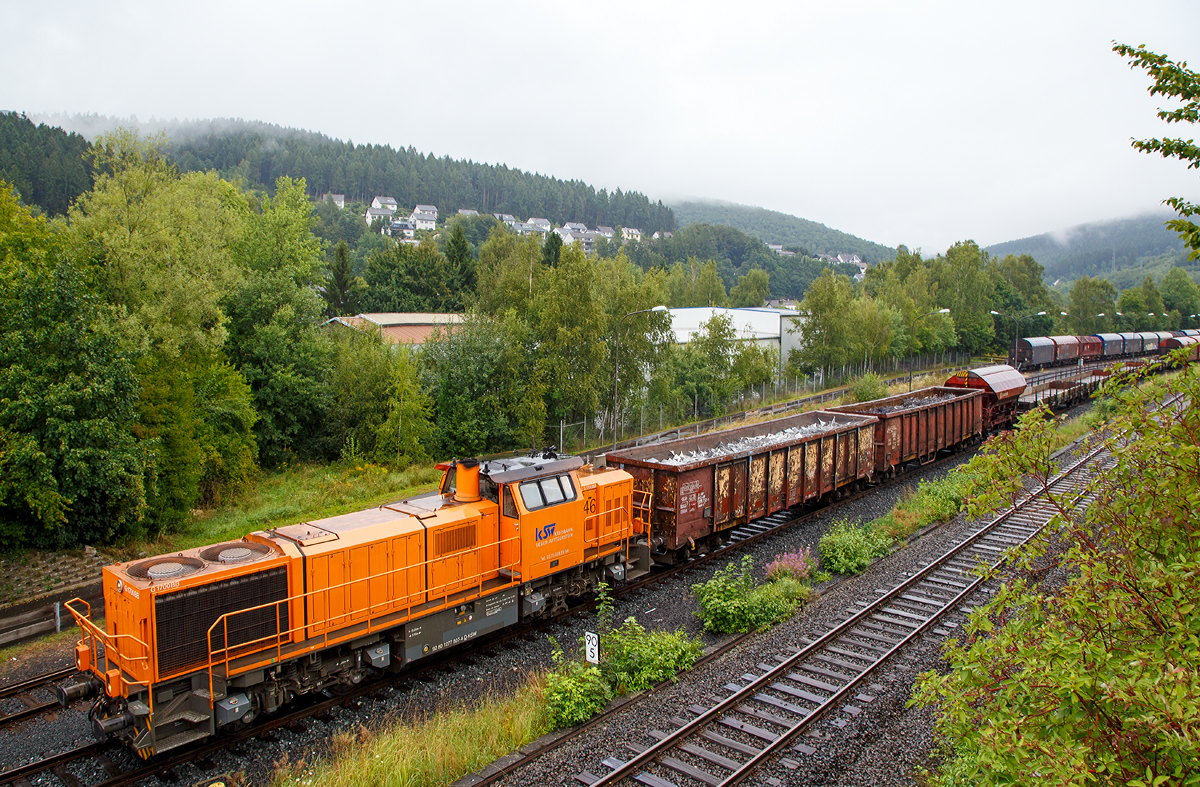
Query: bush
[[730, 602], [868, 388], [933, 501], [575, 691], [632, 659], [848, 549]]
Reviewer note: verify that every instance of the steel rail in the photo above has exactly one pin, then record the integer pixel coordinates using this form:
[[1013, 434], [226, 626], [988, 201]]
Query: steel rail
[[757, 684]]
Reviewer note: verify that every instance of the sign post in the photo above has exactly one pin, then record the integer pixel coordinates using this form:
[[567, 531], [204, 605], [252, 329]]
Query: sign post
[[592, 647]]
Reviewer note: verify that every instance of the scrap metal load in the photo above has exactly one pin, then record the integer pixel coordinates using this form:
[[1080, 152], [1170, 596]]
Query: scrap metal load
[[750, 443], [909, 402], [712, 482], [914, 427]]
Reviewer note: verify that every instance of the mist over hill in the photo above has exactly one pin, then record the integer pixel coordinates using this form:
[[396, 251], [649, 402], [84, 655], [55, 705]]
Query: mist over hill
[[257, 153], [771, 226], [1122, 251]]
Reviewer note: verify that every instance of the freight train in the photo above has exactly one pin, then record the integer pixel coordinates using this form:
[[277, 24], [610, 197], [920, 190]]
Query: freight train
[[213, 637], [1038, 352]]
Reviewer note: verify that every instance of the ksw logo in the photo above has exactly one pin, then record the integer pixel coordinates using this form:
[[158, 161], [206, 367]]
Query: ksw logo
[[542, 533]]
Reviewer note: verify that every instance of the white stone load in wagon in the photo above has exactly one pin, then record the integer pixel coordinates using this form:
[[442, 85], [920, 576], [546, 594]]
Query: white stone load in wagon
[[789, 435]]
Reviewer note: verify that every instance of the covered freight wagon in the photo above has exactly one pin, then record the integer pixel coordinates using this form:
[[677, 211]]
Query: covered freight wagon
[[1191, 342], [712, 482], [1090, 347], [1002, 387], [1149, 341], [1133, 343], [1066, 349], [1114, 344], [1035, 351], [913, 427]]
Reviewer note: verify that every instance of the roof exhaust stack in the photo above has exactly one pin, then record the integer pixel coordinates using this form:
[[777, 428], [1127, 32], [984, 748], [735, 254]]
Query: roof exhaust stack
[[466, 481]]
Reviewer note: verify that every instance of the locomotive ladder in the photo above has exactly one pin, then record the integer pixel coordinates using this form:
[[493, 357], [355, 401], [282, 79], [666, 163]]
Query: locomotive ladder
[[764, 714]]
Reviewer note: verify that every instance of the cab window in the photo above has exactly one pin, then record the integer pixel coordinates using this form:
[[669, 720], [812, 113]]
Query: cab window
[[509, 507], [547, 492]]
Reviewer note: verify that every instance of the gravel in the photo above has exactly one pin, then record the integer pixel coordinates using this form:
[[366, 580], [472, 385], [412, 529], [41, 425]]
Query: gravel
[[879, 747]]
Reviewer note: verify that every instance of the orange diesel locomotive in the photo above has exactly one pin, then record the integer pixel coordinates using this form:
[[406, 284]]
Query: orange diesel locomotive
[[210, 637]]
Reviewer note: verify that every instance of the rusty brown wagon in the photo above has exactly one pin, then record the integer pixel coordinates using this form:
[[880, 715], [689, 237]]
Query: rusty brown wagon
[[913, 427], [709, 483]]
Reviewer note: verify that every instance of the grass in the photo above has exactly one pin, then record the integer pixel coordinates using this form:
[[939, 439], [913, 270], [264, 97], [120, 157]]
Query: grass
[[294, 494], [435, 749]]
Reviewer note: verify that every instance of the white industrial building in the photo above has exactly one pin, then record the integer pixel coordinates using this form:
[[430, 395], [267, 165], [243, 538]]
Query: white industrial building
[[772, 327]]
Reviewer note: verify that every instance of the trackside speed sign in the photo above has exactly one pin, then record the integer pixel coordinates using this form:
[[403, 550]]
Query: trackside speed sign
[[591, 641]]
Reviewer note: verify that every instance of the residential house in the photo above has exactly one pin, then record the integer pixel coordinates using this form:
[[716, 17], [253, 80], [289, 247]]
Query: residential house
[[586, 238], [467, 212], [662, 234], [786, 253], [378, 213], [402, 228], [427, 209], [575, 226], [337, 199], [631, 233], [520, 227], [775, 247], [423, 220], [539, 225], [385, 202], [605, 232], [507, 218]]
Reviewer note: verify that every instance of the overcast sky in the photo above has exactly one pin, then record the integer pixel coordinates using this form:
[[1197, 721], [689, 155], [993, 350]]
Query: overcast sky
[[920, 123]]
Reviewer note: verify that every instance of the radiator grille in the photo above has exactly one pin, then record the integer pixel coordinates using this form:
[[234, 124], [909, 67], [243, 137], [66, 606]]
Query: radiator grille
[[182, 619], [455, 539]]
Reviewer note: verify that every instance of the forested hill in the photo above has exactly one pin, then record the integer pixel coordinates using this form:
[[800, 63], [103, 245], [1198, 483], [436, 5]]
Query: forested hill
[[772, 226], [43, 163], [1113, 250], [258, 153]]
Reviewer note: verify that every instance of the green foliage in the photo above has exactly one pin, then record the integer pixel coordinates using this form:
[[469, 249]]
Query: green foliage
[[575, 691], [868, 388], [70, 470], [796, 565], [751, 290], [403, 437], [44, 164], [848, 549], [407, 278], [733, 602], [633, 659], [1177, 82], [933, 501], [1095, 683], [343, 291]]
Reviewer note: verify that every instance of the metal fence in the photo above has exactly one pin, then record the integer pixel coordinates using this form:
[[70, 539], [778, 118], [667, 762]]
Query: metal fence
[[646, 422]]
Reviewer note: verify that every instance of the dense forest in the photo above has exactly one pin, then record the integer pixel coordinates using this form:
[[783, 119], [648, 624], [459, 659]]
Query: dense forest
[[801, 235], [44, 164], [259, 153]]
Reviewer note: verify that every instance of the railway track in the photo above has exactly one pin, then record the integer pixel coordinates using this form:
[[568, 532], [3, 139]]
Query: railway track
[[164, 766], [26, 691], [764, 716]]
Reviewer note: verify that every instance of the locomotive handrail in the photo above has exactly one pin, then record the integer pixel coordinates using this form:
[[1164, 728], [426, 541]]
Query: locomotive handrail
[[112, 653]]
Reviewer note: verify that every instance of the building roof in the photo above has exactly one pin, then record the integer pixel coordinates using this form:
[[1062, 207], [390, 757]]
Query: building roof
[[426, 209], [380, 211], [401, 327], [544, 222], [756, 324], [335, 196], [422, 216], [385, 200], [467, 212]]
